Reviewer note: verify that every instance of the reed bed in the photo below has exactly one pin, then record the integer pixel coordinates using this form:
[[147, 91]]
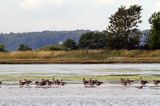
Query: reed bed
[[81, 56]]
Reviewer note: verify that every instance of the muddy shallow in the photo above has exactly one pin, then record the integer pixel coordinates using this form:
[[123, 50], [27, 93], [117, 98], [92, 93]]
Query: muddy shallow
[[81, 69], [77, 95]]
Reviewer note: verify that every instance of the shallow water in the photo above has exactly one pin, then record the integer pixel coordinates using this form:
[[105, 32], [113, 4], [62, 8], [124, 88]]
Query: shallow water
[[77, 95], [78, 69]]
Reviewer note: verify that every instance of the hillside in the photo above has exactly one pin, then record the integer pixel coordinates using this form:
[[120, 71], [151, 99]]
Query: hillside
[[37, 40]]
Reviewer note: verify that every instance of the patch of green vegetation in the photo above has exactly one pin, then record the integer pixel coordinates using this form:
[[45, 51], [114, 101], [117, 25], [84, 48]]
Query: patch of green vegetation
[[76, 78]]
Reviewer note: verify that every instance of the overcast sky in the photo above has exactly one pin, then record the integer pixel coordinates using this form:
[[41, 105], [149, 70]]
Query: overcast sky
[[39, 15]]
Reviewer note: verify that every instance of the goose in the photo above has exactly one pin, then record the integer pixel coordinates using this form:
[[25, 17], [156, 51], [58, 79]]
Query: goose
[[129, 81], [22, 82], [85, 82], [38, 83], [124, 81], [57, 82], [27, 81], [98, 83], [156, 82], [143, 82], [62, 83], [48, 82]]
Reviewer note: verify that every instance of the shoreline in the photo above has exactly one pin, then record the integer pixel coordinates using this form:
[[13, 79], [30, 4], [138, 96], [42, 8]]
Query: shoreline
[[51, 61]]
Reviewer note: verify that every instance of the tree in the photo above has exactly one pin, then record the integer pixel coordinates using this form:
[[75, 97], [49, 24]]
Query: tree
[[23, 47], [93, 40], [52, 48], [122, 31], [154, 20], [2, 48], [69, 44]]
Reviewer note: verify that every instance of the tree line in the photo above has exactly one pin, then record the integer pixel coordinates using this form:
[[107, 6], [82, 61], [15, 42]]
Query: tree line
[[121, 33], [22, 47]]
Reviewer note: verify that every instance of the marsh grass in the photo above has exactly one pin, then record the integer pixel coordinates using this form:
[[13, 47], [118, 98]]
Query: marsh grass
[[110, 78], [81, 56]]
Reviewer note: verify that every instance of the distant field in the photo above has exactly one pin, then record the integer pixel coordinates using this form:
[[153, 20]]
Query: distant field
[[81, 56]]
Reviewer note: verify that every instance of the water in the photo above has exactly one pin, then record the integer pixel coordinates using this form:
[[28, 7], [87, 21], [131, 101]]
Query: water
[[78, 69], [76, 94]]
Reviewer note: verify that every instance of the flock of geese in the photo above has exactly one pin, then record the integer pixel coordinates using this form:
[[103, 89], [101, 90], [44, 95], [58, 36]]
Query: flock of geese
[[126, 82], [87, 83], [57, 82], [91, 82], [42, 83]]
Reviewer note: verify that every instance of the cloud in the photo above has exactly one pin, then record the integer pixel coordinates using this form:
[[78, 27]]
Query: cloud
[[105, 2], [157, 6], [39, 4], [131, 2], [31, 4], [33, 15], [55, 2], [115, 2]]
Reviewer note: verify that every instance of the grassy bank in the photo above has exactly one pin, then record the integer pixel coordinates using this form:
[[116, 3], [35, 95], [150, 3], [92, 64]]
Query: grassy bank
[[81, 56]]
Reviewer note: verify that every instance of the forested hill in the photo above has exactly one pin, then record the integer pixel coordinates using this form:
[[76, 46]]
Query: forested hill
[[36, 40]]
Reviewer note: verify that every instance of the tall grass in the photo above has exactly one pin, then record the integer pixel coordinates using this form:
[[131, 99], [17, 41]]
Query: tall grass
[[84, 55]]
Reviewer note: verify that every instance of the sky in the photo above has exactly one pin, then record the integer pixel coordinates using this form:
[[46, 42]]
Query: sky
[[57, 15]]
